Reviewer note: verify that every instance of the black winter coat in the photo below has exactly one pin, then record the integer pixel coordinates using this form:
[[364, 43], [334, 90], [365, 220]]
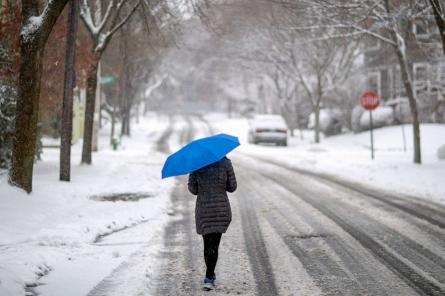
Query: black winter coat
[[212, 212]]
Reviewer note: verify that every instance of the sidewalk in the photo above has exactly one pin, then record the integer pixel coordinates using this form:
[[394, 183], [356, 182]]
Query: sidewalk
[[52, 231]]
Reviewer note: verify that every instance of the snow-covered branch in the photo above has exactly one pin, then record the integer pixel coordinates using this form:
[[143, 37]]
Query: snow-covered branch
[[36, 28], [117, 26], [102, 27]]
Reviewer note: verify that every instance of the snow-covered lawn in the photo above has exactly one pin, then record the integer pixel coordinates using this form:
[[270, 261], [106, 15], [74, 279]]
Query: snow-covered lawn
[[348, 156], [53, 229]]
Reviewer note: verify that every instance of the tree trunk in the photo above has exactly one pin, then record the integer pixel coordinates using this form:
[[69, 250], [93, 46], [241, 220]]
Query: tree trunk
[[317, 105], [400, 50], [412, 104], [27, 106], [128, 99], [67, 111], [317, 123], [137, 112], [113, 121], [146, 107], [125, 83], [100, 112], [89, 109], [26, 116], [124, 123], [124, 115], [440, 20], [128, 117]]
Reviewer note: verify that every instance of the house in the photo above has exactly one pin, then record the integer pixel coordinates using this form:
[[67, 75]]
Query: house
[[53, 72], [426, 64]]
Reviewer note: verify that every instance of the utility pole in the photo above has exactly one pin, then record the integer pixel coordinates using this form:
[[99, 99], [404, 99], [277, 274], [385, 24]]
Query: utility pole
[[67, 108]]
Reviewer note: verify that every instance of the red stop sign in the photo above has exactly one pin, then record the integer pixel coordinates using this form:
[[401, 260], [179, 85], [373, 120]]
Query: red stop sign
[[369, 100]]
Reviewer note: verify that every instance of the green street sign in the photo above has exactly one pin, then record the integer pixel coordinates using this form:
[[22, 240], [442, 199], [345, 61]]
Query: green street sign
[[106, 79]]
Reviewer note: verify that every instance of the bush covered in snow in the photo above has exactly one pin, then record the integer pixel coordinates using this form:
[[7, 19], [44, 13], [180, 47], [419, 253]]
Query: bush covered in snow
[[402, 111], [441, 152], [330, 121], [382, 116]]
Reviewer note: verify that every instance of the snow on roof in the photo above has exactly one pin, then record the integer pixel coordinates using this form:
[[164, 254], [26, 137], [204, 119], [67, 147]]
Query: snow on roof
[[268, 120], [396, 101]]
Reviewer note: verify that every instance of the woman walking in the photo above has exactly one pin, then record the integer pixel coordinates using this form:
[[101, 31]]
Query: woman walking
[[212, 213]]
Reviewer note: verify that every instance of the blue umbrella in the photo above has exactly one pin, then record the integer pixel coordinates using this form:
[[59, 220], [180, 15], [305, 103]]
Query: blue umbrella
[[198, 154]]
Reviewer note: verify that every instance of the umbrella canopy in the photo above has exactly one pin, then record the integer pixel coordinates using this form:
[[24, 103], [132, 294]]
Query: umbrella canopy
[[198, 154]]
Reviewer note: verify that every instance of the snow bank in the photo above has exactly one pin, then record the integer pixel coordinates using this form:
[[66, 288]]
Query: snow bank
[[382, 116]]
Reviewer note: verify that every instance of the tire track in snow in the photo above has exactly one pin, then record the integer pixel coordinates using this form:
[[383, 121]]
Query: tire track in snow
[[179, 279], [335, 270], [434, 213], [162, 143], [419, 280], [233, 269], [255, 244], [210, 129], [177, 270], [256, 249]]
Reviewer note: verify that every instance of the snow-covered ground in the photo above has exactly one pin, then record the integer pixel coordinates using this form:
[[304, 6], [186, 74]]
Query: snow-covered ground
[[348, 156], [57, 230], [65, 236]]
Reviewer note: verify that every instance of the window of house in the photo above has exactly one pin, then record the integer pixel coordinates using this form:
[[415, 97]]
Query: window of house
[[420, 72], [420, 28], [420, 75], [386, 83], [441, 72], [399, 87], [391, 82], [441, 81], [434, 72], [434, 78], [421, 90]]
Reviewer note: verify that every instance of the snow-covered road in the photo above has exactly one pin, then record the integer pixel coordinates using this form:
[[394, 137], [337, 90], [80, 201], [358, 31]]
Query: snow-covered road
[[298, 234]]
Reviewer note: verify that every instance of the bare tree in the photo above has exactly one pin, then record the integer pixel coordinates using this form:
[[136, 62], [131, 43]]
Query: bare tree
[[323, 66], [102, 27], [285, 90], [36, 27], [319, 65], [67, 109], [130, 58], [383, 20]]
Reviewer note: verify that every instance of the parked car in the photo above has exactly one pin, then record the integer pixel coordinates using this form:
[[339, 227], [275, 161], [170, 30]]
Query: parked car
[[268, 128]]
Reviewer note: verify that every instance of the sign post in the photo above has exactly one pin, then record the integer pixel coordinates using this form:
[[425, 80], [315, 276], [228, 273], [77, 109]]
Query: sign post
[[372, 134], [370, 101]]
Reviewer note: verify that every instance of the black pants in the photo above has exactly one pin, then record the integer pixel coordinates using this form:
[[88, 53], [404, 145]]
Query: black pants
[[211, 245]]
